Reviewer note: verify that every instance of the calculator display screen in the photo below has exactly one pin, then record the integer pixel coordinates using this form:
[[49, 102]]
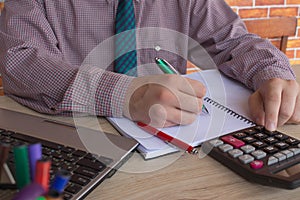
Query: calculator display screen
[[295, 169]]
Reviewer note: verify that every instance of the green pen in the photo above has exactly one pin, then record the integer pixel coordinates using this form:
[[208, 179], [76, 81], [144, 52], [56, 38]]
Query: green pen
[[22, 166], [167, 68]]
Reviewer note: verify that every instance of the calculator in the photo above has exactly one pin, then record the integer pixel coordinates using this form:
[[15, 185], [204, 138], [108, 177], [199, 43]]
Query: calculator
[[258, 155]]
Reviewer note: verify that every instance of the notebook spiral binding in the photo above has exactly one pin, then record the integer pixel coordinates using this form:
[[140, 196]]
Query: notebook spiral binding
[[229, 111]]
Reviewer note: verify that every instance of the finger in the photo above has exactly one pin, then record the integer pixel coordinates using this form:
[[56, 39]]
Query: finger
[[288, 101], [177, 116], [256, 108], [180, 100], [271, 99], [189, 103], [166, 116], [295, 119], [192, 87]]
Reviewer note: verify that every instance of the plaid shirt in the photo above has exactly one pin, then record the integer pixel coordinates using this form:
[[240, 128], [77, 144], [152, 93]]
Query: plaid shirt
[[44, 43]]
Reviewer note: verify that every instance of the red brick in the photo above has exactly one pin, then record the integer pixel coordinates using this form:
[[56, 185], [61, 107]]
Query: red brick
[[239, 2], [290, 54], [292, 1], [276, 12], [268, 2], [297, 53], [253, 13], [293, 43]]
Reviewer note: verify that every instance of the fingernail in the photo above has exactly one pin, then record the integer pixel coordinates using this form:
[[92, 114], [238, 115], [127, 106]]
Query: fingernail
[[270, 126]]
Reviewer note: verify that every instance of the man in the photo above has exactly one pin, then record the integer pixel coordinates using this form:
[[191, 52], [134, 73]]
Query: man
[[43, 44]]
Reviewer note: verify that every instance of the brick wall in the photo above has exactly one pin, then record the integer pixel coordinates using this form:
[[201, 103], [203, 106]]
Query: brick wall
[[257, 9]]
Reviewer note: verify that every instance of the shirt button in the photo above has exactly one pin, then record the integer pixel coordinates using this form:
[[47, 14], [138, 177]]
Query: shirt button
[[157, 48]]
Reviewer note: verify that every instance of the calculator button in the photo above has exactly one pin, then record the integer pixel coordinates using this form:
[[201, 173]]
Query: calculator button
[[235, 153], [259, 154], [296, 151], [233, 141], [271, 150], [260, 136], [248, 148], [249, 139], [216, 142], [270, 133], [287, 153], [281, 136], [250, 131], [292, 141], [256, 164], [281, 145], [272, 160], [246, 158], [259, 144], [225, 147], [271, 140], [240, 135], [280, 156]]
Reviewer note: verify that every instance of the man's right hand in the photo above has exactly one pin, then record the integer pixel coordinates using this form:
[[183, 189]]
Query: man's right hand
[[164, 100]]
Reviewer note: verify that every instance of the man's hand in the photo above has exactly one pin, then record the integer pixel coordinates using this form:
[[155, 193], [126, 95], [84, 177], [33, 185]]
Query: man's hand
[[275, 103], [164, 100]]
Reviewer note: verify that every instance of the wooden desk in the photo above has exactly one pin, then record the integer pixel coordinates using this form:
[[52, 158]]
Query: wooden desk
[[187, 177]]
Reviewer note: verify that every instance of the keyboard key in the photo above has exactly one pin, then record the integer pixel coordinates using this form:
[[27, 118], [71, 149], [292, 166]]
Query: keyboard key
[[256, 164], [296, 151], [86, 172], [90, 164], [251, 131], [240, 135], [80, 180], [216, 142], [225, 147], [235, 153], [281, 136], [259, 144], [249, 139], [281, 145], [272, 160], [260, 136], [67, 149], [259, 154], [67, 196], [270, 150], [292, 141], [79, 153], [73, 188], [233, 141], [270, 140], [248, 148], [246, 158], [287, 153], [280, 156]]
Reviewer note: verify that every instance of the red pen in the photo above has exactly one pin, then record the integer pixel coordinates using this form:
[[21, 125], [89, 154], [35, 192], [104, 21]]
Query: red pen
[[167, 138]]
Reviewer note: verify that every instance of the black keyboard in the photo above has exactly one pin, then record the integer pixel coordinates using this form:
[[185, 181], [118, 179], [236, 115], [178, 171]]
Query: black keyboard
[[258, 155], [83, 165]]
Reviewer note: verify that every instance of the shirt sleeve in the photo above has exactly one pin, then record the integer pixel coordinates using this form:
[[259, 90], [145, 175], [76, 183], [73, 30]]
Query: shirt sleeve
[[36, 74], [237, 53]]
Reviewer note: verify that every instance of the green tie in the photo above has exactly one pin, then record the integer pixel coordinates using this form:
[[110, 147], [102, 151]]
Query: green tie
[[125, 43]]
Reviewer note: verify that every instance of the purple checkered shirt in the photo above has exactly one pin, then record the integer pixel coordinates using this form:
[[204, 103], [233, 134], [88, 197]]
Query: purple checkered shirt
[[44, 42]]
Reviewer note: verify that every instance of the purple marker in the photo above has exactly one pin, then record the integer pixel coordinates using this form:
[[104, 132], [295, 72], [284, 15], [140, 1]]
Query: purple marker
[[35, 154], [30, 192]]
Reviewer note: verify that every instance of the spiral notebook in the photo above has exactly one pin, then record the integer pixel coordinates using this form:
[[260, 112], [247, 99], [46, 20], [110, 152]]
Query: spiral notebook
[[227, 103]]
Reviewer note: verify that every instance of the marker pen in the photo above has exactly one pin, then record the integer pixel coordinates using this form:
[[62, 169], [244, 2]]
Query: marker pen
[[22, 166]]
